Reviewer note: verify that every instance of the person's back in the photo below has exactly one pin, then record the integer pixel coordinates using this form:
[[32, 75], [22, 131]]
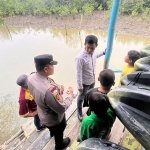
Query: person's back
[[26, 104], [106, 79], [99, 123]]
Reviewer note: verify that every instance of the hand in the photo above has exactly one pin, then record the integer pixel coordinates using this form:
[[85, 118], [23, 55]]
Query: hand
[[104, 51], [61, 89], [70, 91], [32, 113], [80, 90]]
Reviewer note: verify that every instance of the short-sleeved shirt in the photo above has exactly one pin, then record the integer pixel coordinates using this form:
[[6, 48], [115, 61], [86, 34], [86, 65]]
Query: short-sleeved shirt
[[85, 102], [93, 126], [25, 104], [127, 70]]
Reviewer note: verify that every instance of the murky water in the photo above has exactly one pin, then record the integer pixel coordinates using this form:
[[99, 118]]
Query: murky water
[[18, 49]]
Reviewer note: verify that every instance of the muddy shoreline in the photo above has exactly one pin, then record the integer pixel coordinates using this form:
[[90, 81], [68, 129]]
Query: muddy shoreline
[[97, 21]]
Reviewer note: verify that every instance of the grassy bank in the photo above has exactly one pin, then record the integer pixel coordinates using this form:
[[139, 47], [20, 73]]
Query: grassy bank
[[63, 8]]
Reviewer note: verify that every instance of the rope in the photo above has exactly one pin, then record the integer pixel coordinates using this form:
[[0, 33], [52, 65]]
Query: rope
[[136, 78]]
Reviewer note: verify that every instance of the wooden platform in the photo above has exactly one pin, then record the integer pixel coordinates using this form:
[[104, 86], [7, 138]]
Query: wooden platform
[[28, 139]]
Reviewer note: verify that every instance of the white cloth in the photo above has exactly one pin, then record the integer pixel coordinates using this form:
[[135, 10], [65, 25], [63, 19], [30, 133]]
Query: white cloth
[[86, 68]]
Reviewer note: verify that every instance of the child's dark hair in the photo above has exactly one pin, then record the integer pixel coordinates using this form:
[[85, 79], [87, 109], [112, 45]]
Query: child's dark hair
[[98, 103], [91, 39], [107, 77], [134, 56]]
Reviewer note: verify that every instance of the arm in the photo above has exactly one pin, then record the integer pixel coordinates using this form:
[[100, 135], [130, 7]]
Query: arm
[[31, 113], [101, 54], [112, 116], [85, 132], [24, 110], [111, 119], [56, 102], [79, 67], [86, 98], [85, 101]]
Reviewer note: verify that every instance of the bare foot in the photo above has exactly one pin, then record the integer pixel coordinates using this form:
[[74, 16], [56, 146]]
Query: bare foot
[[109, 136], [78, 139]]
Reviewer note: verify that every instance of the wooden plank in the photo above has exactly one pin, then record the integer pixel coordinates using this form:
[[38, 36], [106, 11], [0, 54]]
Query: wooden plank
[[26, 129], [73, 145], [40, 142], [29, 140], [44, 138], [70, 125], [116, 131], [6, 145], [72, 108], [24, 137], [74, 134], [28, 122], [73, 127]]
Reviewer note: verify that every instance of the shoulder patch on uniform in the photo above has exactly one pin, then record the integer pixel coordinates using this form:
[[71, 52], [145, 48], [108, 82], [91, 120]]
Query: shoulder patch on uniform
[[55, 93]]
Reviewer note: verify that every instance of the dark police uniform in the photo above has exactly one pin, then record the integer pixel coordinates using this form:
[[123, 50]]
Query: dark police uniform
[[50, 104]]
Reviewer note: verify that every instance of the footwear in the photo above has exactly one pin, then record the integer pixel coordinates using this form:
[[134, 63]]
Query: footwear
[[80, 117], [40, 128], [66, 142]]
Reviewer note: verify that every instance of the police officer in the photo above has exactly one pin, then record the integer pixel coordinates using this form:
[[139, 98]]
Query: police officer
[[51, 105]]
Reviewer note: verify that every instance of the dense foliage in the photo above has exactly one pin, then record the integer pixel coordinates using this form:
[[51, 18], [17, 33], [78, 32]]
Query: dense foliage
[[69, 7]]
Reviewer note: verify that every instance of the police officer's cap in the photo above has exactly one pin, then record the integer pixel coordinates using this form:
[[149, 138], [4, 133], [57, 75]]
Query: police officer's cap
[[22, 80], [43, 60]]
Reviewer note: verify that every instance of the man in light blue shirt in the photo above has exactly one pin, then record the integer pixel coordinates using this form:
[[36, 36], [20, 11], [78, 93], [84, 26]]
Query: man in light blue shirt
[[85, 70]]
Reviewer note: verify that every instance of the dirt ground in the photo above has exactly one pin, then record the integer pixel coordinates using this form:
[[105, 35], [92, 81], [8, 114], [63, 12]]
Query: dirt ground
[[97, 21]]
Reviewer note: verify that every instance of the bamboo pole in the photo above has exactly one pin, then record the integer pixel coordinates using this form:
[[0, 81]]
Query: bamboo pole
[[80, 23], [111, 31]]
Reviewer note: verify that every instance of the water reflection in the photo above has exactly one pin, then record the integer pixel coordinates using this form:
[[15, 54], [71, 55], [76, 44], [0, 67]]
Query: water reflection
[[72, 37], [17, 58], [8, 118]]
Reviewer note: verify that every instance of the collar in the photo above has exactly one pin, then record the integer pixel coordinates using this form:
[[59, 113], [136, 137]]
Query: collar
[[40, 76], [94, 116], [85, 52]]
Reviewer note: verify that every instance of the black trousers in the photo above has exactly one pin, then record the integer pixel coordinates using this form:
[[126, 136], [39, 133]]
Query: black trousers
[[82, 95], [57, 131], [37, 121]]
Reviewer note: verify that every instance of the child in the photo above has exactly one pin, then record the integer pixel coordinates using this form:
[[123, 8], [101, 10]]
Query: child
[[27, 105], [130, 59], [106, 79], [99, 123], [85, 69]]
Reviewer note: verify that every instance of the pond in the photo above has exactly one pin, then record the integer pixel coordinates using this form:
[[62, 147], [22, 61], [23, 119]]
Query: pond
[[18, 48]]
